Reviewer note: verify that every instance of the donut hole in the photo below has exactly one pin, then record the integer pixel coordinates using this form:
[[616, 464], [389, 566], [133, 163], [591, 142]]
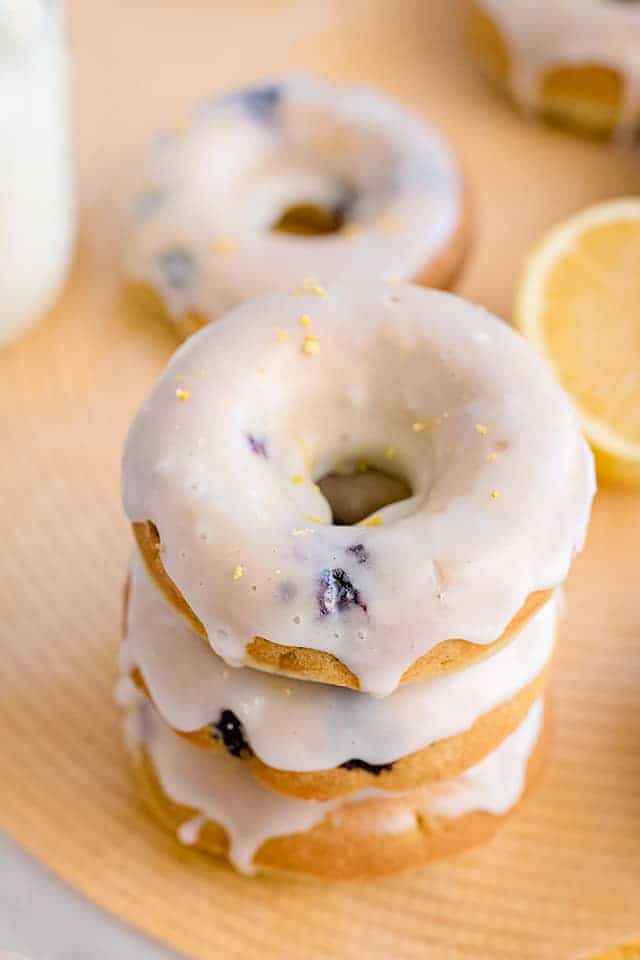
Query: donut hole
[[310, 219], [584, 97], [355, 491]]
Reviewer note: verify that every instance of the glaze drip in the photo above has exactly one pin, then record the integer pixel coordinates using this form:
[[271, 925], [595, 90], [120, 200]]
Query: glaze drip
[[302, 726], [218, 789]]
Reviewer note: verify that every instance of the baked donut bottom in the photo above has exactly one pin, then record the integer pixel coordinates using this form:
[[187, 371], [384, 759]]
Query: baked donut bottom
[[438, 761], [367, 838], [584, 98], [304, 663], [441, 272]]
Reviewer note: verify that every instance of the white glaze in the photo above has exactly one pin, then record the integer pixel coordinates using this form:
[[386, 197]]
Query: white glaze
[[542, 36], [222, 790], [293, 725], [189, 830], [36, 221], [213, 192], [450, 562]]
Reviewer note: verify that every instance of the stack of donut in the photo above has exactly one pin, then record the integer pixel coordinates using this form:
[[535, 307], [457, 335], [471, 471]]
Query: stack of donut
[[354, 505]]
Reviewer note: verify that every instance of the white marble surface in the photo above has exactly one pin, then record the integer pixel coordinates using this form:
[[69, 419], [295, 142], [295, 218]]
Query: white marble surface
[[42, 918]]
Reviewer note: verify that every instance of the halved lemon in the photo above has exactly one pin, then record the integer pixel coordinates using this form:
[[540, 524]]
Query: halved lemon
[[579, 305]]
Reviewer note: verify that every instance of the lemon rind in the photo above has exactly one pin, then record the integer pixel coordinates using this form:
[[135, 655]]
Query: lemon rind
[[528, 310]]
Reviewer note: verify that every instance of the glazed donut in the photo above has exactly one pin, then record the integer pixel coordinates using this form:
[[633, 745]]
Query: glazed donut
[[317, 741], [222, 461], [576, 63], [212, 803], [293, 178]]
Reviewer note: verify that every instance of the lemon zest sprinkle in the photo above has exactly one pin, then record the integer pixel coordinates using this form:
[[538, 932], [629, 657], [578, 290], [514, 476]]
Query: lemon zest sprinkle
[[375, 521], [482, 429], [182, 394], [181, 125], [311, 345], [389, 224], [224, 246], [238, 571], [307, 455], [282, 335], [494, 494], [421, 425], [304, 320], [309, 285]]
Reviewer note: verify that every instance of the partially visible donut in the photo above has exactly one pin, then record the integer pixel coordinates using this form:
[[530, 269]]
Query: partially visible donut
[[292, 179], [213, 804], [576, 63], [224, 458]]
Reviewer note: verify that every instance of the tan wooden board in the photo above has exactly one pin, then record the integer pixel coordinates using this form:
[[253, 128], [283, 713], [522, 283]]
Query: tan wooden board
[[564, 876]]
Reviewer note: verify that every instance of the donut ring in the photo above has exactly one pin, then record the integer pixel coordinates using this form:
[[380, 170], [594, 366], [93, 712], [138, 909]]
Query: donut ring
[[303, 663], [364, 838], [320, 742], [442, 760], [575, 64], [295, 177], [224, 456]]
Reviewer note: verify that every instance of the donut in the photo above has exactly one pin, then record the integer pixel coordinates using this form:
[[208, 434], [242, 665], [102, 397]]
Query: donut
[[576, 63], [317, 741], [306, 663], [291, 179], [212, 803], [220, 469]]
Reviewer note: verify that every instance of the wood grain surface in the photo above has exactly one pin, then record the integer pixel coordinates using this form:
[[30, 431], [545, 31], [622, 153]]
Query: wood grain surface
[[563, 877]]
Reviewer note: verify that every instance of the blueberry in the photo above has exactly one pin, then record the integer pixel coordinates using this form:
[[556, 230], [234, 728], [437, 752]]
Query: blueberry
[[231, 732], [337, 593], [177, 267], [287, 591], [359, 552], [258, 446], [147, 203], [261, 102], [375, 768], [344, 207]]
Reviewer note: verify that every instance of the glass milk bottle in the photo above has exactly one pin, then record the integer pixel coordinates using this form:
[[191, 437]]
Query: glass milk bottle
[[36, 212]]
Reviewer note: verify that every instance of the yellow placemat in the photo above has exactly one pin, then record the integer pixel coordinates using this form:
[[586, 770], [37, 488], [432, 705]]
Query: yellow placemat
[[563, 877]]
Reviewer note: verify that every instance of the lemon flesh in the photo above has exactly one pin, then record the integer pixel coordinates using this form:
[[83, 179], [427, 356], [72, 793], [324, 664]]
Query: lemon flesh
[[580, 304]]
